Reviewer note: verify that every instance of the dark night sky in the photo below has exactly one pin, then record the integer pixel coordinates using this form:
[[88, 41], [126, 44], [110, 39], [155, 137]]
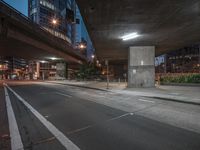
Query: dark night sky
[[20, 5]]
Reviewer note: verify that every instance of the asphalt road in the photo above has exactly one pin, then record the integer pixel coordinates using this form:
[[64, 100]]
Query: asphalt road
[[90, 125]]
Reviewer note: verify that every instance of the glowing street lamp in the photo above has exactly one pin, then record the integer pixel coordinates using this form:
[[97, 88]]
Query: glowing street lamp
[[82, 46], [54, 21]]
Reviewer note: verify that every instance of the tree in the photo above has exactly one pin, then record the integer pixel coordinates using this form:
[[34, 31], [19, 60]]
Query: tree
[[87, 71]]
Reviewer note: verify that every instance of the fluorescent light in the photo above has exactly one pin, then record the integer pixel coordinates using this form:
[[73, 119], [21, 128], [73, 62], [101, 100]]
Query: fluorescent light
[[53, 58], [142, 62], [130, 36], [43, 61]]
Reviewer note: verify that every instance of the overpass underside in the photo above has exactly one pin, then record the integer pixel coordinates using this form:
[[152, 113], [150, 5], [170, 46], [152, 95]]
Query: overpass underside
[[161, 24]]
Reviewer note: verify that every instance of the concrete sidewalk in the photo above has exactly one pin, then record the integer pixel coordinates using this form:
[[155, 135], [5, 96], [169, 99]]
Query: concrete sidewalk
[[184, 94]]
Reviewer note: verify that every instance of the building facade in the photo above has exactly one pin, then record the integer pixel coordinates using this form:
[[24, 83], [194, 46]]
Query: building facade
[[56, 16], [13, 68], [185, 60], [82, 36], [63, 19]]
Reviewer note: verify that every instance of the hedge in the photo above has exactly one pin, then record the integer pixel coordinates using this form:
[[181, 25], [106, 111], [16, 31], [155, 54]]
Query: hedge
[[191, 78]]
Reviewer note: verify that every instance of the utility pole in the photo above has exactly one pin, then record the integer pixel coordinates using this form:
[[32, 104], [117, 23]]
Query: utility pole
[[199, 60], [106, 62]]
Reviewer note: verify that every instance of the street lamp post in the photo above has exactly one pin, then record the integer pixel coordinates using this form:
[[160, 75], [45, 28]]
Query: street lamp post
[[106, 62], [54, 22], [92, 58]]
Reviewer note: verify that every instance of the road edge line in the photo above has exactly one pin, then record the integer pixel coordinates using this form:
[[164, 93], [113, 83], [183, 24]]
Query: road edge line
[[16, 141], [67, 143]]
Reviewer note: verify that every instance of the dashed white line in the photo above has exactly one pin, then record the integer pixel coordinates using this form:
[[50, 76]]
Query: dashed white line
[[68, 144], [144, 100], [66, 95], [16, 141], [118, 117]]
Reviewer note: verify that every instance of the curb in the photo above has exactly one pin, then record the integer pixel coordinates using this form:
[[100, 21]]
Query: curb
[[182, 84], [161, 98], [92, 88], [174, 100]]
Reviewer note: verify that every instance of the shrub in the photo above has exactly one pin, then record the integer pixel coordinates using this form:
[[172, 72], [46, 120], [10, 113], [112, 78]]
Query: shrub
[[191, 78]]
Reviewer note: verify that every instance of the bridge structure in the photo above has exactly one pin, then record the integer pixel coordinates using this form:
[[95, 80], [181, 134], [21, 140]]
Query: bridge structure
[[20, 37], [159, 26]]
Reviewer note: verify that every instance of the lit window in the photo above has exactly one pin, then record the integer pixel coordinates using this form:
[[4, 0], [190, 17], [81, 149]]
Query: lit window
[[47, 4]]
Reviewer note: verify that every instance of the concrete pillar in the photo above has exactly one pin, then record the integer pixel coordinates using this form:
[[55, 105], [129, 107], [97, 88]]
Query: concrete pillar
[[141, 67], [61, 70], [38, 69]]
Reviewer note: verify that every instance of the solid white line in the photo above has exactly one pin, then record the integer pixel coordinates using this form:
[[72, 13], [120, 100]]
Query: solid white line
[[63, 94], [146, 100], [69, 145], [16, 142]]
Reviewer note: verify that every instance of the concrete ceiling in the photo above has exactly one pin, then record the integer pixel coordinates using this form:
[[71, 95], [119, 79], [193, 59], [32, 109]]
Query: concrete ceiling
[[166, 24]]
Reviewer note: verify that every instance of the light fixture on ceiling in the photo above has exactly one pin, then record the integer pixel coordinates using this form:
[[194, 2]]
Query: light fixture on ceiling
[[43, 61], [130, 36], [53, 58]]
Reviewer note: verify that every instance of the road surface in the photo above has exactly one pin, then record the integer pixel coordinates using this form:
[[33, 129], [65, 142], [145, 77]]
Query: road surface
[[57, 117]]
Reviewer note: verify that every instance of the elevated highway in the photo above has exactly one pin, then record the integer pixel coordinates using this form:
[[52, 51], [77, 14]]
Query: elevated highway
[[20, 37]]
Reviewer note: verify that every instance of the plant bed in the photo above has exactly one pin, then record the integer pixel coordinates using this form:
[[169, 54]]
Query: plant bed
[[181, 79]]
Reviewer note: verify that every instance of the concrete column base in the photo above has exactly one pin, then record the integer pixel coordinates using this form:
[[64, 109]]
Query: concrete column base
[[61, 70], [141, 68]]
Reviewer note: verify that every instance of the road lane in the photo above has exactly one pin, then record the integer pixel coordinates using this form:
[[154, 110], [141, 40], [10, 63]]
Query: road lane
[[4, 127], [16, 142], [91, 126]]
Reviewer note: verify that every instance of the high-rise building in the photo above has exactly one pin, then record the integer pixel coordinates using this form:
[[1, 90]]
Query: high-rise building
[[63, 19], [56, 16], [82, 35]]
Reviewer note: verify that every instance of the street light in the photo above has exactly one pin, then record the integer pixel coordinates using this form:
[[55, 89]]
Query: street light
[[82, 46], [54, 21]]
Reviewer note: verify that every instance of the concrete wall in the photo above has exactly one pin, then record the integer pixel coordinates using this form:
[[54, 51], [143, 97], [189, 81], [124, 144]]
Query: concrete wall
[[141, 69], [61, 70]]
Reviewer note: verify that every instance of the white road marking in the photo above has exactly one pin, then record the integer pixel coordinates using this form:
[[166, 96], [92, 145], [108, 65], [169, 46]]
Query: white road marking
[[118, 117], [68, 144], [66, 95], [90, 126], [144, 100], [16, 141]]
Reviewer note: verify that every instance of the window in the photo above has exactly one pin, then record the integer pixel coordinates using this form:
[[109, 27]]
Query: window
[[47, 4], [34, 10]]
